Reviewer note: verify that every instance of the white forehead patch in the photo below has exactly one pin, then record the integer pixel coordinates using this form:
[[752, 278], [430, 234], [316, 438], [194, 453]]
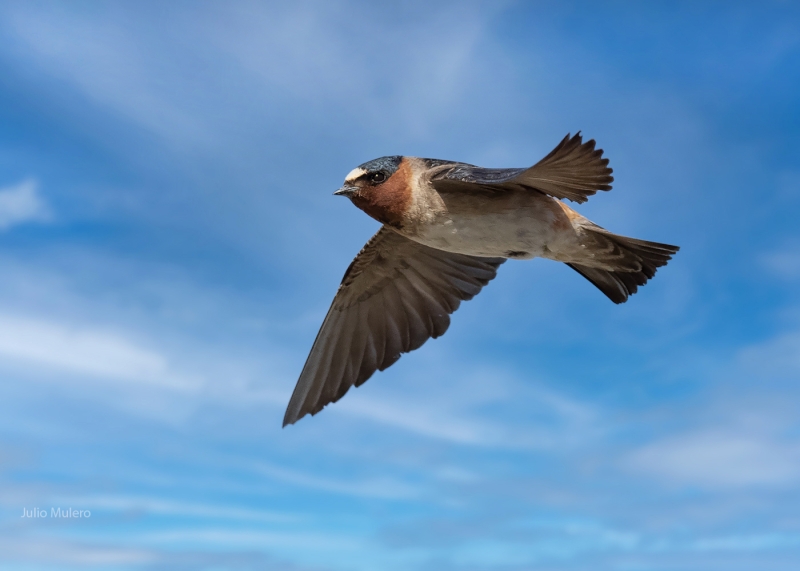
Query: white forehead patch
[[354, 174]]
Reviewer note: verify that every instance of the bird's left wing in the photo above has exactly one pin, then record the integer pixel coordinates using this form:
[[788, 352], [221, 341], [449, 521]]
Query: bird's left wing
[[573, 170], [395, 295]]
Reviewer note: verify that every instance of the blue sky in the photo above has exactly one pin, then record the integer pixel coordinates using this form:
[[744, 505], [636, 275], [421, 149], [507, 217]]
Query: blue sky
[[169, 246]]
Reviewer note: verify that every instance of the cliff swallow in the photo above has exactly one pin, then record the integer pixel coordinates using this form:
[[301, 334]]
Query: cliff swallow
[[447, 227]]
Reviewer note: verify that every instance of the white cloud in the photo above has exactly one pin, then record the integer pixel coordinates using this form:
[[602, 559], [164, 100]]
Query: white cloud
[[783, 263], [115, 60], [385, 488], [68, 349], [749, 542], [100, 58], [49, 550], [21, 203], [168, 507], [415, 417], [775, 358], [719, 459], [253, 539], [306, 54], [744, 434], [454, 409]]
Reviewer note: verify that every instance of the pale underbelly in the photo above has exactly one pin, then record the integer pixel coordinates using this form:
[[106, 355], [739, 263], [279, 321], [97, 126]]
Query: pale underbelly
[[521, 233]]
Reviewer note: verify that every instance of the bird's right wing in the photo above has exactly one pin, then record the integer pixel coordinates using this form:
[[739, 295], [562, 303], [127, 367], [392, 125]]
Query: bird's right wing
[[394, 296], [573, 170]]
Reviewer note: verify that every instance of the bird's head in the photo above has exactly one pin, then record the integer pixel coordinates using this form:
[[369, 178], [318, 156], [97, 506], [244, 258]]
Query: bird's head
[[381, 188]]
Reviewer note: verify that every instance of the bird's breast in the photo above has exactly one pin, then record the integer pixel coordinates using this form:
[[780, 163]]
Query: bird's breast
[[510, 224]]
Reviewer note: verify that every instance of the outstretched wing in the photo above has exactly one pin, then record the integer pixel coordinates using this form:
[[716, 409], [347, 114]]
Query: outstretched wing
[[573, 170], [394, 296]]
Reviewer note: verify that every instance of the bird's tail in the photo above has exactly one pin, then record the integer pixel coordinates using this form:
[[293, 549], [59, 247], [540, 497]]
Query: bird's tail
[[618, 264]]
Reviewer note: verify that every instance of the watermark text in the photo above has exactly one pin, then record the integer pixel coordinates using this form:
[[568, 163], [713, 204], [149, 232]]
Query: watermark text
[[55, 513]]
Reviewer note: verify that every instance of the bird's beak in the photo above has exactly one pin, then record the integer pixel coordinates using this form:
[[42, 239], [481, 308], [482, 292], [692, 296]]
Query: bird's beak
[[347, 190]]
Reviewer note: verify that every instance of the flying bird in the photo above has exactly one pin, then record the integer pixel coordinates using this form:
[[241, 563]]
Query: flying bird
[[447, 227]]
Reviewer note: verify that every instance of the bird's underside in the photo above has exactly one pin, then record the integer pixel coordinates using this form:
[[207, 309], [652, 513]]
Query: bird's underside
[[400, 290]]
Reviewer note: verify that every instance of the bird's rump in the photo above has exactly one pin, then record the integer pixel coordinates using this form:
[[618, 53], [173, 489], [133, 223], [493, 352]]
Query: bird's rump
[[395, 295], [573, 170]]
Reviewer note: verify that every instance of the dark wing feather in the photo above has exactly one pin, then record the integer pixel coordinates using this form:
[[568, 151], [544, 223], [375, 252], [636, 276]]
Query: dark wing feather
[[395, 295], [573, 170]]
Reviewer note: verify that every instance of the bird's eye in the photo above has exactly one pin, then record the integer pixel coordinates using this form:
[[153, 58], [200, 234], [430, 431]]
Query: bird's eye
[[377, 177]]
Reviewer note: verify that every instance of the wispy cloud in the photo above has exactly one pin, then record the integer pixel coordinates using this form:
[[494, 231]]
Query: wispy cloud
[[49, 553], [56, 552], [106, 64], [385, 488], [169, 507], [457, 409], [783, 263], [252, 538], [714, 459], [420, 419], [777, 358], [742, 434], [749, 542], [296, 49], [305, 55], [22, 203], [98, 354]]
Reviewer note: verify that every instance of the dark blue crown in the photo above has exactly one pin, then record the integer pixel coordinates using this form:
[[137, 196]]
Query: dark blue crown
[[384, 164]]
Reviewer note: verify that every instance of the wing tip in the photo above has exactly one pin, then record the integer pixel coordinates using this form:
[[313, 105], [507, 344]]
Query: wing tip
[[289, 418]]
